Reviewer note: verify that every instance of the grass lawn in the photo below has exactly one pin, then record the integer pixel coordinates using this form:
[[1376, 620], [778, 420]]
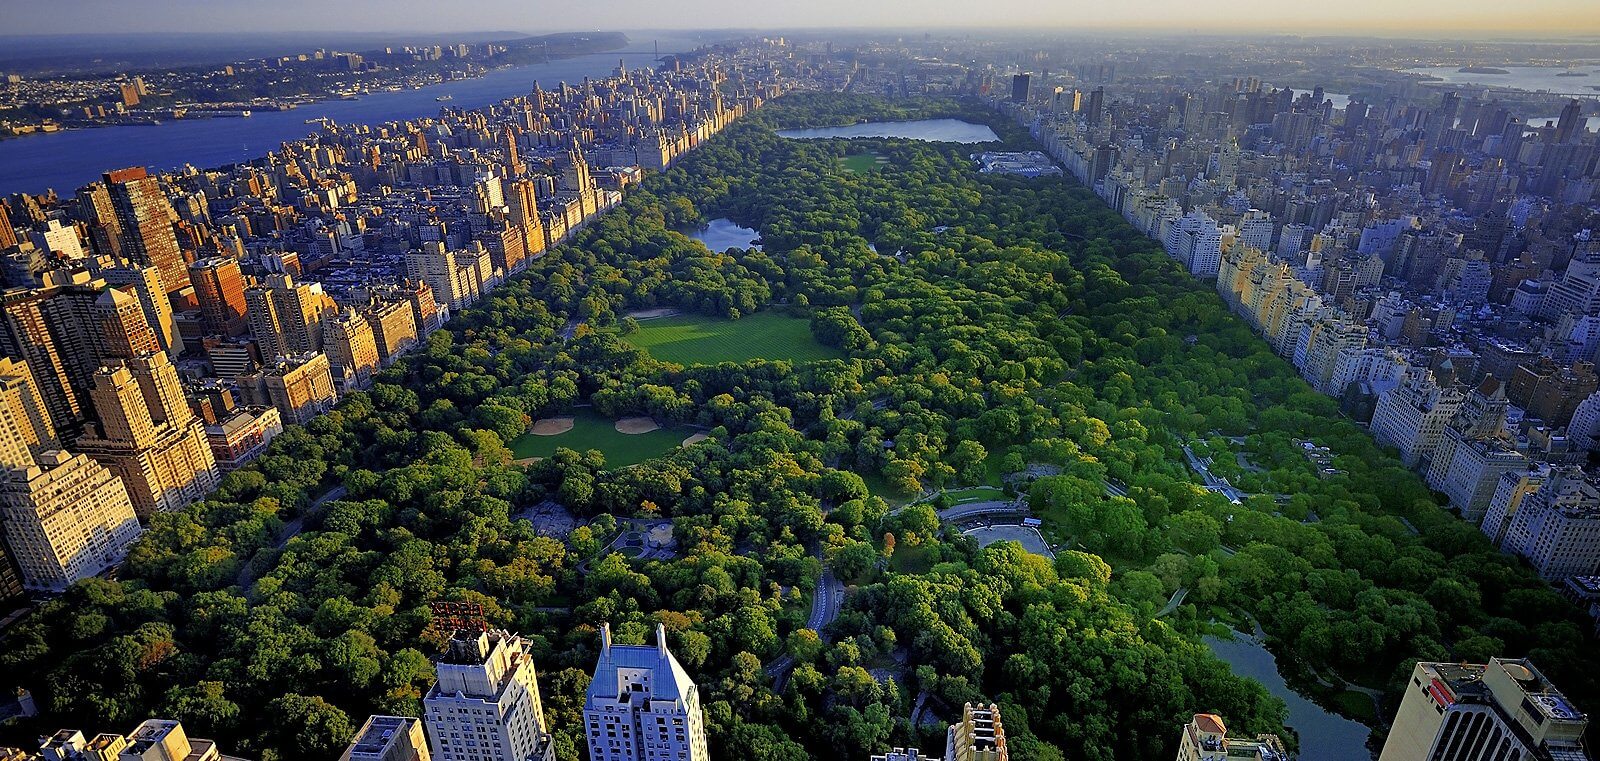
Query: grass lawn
[[590, 430], [909, 559], [861, 163], [701, 340], [879, 487], [976, 494]]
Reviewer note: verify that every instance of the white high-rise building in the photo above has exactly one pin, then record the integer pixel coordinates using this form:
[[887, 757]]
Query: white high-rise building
[[642, 705], [1255, 230], [1504, 709], [1585, 426], [65, 516], [1557, 527], [1412, 416], [485, 706], [1196, 240]]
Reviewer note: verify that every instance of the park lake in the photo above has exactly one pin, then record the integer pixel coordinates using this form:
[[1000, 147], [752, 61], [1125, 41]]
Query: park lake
[[1324, 736], [722, 234], [928, 130]]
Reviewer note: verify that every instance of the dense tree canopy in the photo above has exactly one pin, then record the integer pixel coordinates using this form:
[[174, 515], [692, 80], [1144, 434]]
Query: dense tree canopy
[[992, 325]]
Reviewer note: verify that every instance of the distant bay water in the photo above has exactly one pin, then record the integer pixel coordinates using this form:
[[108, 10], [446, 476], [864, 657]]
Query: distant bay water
[[69, 159]]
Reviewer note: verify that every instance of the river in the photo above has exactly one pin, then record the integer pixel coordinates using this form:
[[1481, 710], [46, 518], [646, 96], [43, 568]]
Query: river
[[1324, 736], [69, 159]]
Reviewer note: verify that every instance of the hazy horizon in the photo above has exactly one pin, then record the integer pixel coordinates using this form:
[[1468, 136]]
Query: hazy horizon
[[1422, 19]]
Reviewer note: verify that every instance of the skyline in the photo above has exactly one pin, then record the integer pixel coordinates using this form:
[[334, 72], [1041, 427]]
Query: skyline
[[1565, 19]]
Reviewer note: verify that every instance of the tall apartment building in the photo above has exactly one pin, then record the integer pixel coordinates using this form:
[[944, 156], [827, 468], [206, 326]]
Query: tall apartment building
[[1196, 240], [1412, 416], [148, 435], [65, 516], [285, 316], [394, 327], [1468, 470], [485, 705], [145, 218], [642, 705], [1550, 391], [1504, 709], [458, 277], [219, 287], [124, 332], [1556, 527], [522, 204], [152, 740], [1205, 738], [143, 282], [351, 347], [299, 385], [978, 736], [389, 738], [53, 327]]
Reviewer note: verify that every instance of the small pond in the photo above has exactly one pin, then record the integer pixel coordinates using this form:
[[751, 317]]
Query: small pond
[[722, 234], [1324, 736]]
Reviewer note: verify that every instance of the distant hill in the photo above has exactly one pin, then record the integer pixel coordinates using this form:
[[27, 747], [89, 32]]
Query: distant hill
[[57, 54]]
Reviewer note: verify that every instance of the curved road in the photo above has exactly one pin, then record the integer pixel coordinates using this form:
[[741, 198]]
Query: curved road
[[827, 599]]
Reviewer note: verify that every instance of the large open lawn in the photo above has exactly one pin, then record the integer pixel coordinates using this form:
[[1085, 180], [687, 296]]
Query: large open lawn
[[701, 340], [593, 431], [861, 163]]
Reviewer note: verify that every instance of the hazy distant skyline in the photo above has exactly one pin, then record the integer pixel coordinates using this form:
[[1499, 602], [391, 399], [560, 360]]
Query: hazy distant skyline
[[1423, 18]]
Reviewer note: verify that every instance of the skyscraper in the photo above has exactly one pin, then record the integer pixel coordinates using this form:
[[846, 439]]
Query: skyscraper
[[145, 217], [485, 705], [54, 329], [124, 332], [285, 316], [1019, 88], [351, 348], [1504, 709], [1571, 121], [522, 201], [8, 234], [148, 435], [642, 705], [145, 283], [219, 287]]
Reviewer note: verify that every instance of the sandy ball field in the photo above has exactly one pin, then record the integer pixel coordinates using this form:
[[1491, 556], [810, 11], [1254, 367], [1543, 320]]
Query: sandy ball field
[[636, 425], [552, 426]]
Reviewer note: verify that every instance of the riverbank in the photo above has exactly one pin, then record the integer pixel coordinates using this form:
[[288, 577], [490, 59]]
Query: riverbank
[[67, 159]]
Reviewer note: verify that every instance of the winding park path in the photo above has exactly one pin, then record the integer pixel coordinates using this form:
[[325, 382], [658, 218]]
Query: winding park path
[[246, 579]]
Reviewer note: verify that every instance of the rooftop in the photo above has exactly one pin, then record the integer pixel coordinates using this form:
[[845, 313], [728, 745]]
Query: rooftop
[[378, 733]]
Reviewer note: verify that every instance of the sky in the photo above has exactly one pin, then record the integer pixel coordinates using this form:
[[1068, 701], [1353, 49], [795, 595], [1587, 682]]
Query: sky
[[1424, 18]]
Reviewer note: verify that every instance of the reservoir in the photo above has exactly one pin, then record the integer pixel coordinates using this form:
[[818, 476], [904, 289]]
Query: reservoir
[[1324, 736], [69, 159], [722, 234], [929, 130]]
